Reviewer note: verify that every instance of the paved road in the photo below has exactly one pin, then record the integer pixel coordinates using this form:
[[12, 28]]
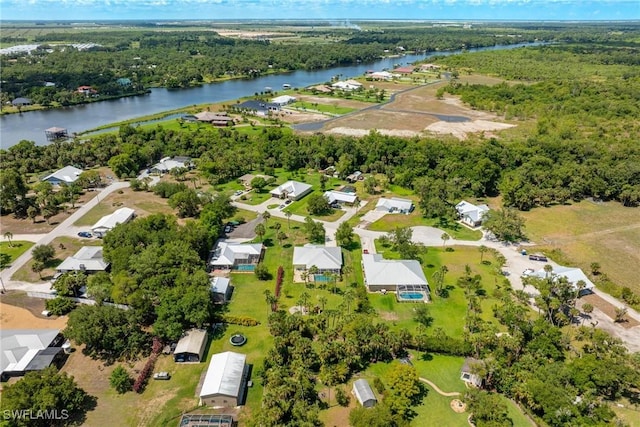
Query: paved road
[[65, 228]]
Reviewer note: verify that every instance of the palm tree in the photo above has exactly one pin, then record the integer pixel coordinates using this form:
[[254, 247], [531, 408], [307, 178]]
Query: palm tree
[[349, 296], [323, 301], [281, 236], [444, 238], [266, 215], [260, 230], [288, 215], [482, 250], [305, 276], [304, 297], [548, 269], [313, 270], [9, 235], [588, 309], [270, 299], [277, 226]]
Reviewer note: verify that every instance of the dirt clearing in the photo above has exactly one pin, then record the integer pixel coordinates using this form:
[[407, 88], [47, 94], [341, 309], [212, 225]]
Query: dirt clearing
[[14, 317]]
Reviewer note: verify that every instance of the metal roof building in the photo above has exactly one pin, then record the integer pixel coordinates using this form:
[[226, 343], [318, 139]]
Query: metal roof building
[[107, 222], [326, 258], [292, 190], [221, 289], [191, 346], [362, 391], [224, 381], [67, 175], [25, 350], [394, 205]]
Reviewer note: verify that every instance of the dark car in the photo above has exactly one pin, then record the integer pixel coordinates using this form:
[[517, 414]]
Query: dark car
[[85, 234]]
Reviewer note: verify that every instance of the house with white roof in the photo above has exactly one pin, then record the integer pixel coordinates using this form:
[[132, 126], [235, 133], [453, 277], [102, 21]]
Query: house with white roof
[[572, 274], [88, 259], [66, 175], [387, 274], [471, 214], [283, 100], [236, 256], [166, 164], [347, 85], [224, 382], [340, 198], [108, 222], [24, 350], [221, 289], [394, 205], [381, 75], [292, 190], [327, 259]]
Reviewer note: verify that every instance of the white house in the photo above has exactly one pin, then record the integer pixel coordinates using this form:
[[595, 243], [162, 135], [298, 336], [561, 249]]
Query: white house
[[223, 385], [292, 190], [388, 274], [88, 259], [328, 259], [573, 276], [284, 99], [236, 256], [108, 222], [340, 197], [394, 205], [25, 350], [166, 164], [382, 75], [347, 85], [471, 214], [67, 175], [363, 392]]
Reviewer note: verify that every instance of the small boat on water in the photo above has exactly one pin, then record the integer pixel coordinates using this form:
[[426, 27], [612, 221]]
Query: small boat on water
[[286, 86]]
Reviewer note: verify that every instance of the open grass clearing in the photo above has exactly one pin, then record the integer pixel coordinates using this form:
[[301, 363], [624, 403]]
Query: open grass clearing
[[14, 249], [586, 232], [332, 108], [392, 221]]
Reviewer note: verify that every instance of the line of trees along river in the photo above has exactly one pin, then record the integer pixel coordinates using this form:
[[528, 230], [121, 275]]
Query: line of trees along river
[[31, 125]]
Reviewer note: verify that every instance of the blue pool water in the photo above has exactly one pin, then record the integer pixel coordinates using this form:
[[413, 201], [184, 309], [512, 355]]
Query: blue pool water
[[246, 268], [411, 295], [321, 278]]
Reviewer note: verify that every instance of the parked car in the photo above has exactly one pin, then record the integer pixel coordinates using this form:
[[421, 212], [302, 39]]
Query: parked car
[[237, 193], [85, 234], [365, 251], [161, 376], [287, 202], [282, 206], [228, 229], [538, 258]]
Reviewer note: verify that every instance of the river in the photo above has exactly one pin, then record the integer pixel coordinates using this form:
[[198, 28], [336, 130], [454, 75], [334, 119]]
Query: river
[[31, 125]]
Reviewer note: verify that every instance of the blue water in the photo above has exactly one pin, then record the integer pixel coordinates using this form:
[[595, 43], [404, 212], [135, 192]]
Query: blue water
[[411, 295], [31, 125], [321, 278], [246, 268]]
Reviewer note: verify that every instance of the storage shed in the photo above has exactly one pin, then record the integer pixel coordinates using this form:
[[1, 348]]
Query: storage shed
[[191, 346], [362, 391], [225, 380]]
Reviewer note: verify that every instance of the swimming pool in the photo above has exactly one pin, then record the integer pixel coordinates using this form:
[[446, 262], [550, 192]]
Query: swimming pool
[[246, 267], [411, 295], [321, 278]]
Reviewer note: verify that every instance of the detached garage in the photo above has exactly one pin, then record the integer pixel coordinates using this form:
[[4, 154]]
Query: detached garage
[[224, 382], [191, 346]]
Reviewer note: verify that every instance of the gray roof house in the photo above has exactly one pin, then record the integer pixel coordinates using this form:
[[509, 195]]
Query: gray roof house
[[363, 392], [19, 102], [67, 175], [394, 205], [292, 190], [191, 346], [88, 259], [471, 214], [220, 289], [572, 274], [388, 274], [328, 259], [25, 350], [228, 256], [166, 164], [224, 382], [340, 197], [108, 222]]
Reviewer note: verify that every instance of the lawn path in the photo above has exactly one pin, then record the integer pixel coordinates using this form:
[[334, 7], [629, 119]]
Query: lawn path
[[435, 387]]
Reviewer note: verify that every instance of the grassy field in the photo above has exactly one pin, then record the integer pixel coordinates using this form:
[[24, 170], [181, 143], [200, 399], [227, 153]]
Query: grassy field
[[15, 249], [586, 232], [454, 229], [323, 108]]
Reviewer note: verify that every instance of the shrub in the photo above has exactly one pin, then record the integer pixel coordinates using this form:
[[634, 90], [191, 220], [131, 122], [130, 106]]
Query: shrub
[[262, 272], [379, 385], [141, 381], [60, 305], [120, 380], [341, 397], [241, 320], [168, 189], [279, 279]]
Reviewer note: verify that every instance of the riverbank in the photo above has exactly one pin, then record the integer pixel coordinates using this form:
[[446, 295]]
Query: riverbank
[[6, 110]]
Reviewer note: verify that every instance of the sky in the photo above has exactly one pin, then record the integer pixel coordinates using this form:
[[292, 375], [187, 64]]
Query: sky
[[529, 10]]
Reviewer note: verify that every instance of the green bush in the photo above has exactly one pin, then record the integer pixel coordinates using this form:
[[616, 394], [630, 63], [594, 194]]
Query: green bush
[[60, 305], [120, 380], [379, 385], [241, 320]]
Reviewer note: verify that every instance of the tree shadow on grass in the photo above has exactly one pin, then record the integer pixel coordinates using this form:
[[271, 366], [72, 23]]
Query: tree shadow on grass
[[352, 246], [268, 243], [80, 417]]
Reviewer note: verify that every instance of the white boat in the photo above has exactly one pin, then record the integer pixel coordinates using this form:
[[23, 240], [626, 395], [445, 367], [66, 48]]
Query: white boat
[[286, 86]]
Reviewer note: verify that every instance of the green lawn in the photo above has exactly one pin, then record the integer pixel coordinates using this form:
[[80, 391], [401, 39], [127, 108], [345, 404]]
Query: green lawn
[[454, 229], [323, 108], [15, 249], [94, 214], [448, 313], [300, 208]]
